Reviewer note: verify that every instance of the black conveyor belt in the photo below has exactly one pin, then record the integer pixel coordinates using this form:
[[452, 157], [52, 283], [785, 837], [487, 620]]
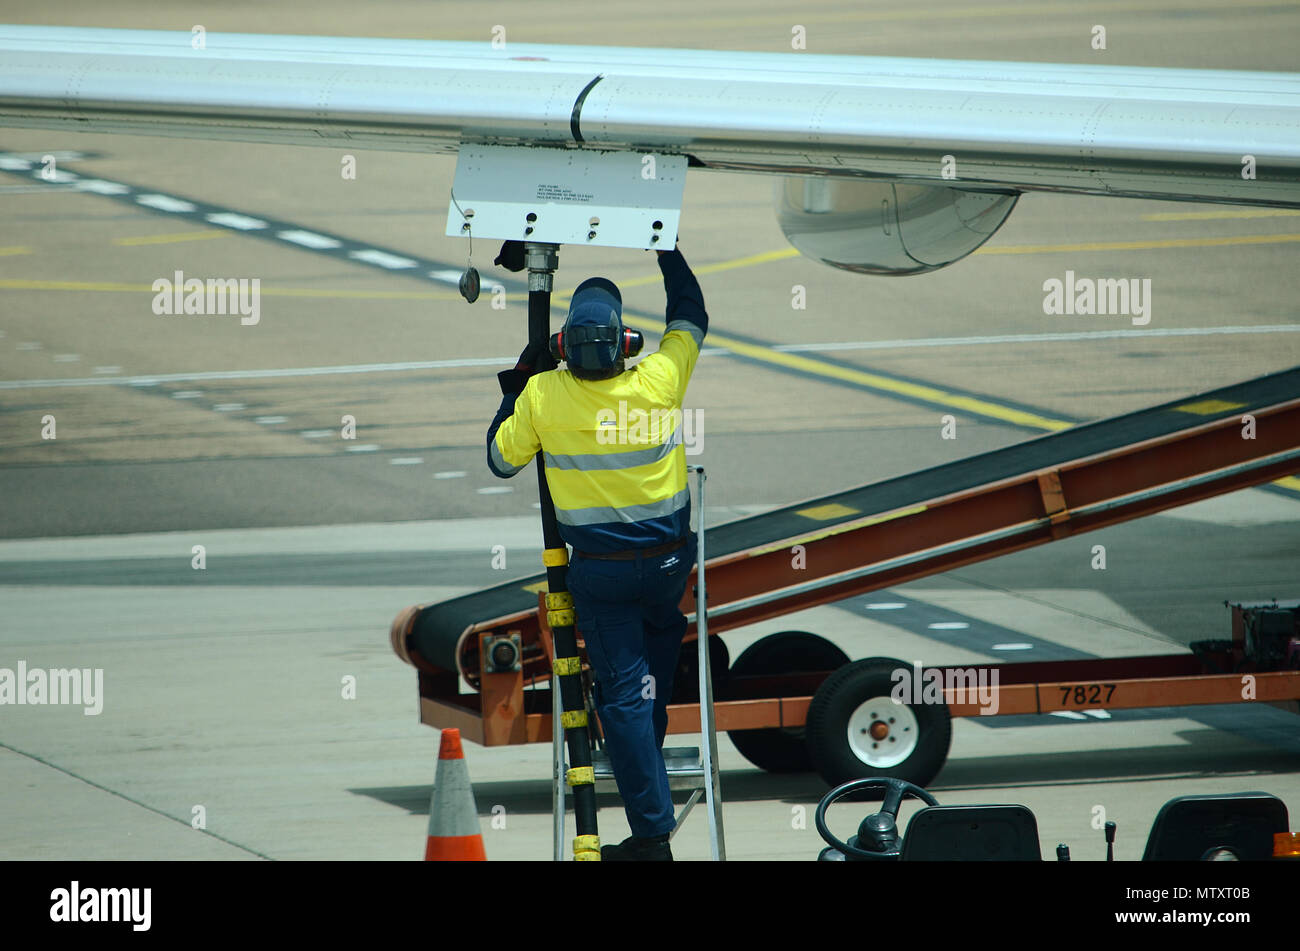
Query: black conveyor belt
[[438, 629]]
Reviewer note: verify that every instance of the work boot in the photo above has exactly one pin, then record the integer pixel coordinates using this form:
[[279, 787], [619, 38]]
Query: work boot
[[632, 849]]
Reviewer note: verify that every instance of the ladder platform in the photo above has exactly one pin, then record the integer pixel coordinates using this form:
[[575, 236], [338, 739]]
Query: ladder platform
[[682, 763]]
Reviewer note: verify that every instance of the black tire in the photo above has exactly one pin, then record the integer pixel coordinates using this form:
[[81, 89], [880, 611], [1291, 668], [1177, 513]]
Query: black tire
[[925, 728], [686, 679], [779, 750]]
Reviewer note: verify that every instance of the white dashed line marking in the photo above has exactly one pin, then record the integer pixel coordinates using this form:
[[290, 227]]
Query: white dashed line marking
[[406, 461], [1068, 714], [228, 407], [58, 176], [230, 219], [382, 259], [449, 475], [101, 187], [108, 371], [165, 203], [187, 394], [67, 357], [30, 345], [11, 164], [886, 606], [1013, 647], [271, 420], [451, 277], [948, 626], [1099, 714], [309, 239], [316, 433], [367, 447], [494, 490]]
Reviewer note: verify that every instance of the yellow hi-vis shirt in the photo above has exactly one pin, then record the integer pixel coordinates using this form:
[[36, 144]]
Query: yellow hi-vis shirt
[[615, 460]]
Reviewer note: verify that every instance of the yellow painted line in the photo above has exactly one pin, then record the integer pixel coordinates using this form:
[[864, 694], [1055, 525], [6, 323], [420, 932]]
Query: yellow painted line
[[1141, 245], [534, 588], [840, 529], [15, 284], [173, 238], [1208, 407], [876, 382], [1288, 482], [14, 249], [782, 254], [751, 260], [1222, 215]]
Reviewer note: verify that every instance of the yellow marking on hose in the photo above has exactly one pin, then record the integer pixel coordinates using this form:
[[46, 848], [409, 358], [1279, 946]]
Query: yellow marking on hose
[[559, 618], [581, 776], [566, 666], [554, 557], [586, 856], [571, 719], [586, 843], [560, 599]]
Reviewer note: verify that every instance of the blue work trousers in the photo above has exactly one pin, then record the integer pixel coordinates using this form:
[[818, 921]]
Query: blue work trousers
[[629, 617]]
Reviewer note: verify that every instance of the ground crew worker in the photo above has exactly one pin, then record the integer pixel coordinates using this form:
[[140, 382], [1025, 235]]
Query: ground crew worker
[[616, 469]]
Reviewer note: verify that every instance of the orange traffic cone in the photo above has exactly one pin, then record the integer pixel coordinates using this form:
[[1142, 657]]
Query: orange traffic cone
[[454, 834]]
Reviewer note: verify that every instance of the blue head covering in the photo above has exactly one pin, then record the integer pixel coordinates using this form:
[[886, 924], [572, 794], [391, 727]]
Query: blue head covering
[[593, 331]]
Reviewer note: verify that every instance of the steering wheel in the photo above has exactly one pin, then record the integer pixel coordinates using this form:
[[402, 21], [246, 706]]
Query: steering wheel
[[881, 826]]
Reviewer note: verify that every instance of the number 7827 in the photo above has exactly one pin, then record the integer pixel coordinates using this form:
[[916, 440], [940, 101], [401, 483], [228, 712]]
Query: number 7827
[[1082, 695]]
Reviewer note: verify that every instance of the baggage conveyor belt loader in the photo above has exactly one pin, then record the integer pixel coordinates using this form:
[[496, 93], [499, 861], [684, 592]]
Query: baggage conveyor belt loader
[[793, 700]]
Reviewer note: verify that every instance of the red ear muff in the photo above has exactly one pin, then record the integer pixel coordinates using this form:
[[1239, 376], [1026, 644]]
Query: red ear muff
[[557, 346], [633, 341]]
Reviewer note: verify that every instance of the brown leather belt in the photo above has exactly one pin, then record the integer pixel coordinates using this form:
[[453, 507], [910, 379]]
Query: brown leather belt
[[634, 553]]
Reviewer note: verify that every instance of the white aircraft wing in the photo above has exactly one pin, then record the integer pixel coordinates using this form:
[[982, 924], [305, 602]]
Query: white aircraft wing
[[886, 165]]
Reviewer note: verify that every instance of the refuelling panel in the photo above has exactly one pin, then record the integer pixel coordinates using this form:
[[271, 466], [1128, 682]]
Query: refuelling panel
[[567, 196]]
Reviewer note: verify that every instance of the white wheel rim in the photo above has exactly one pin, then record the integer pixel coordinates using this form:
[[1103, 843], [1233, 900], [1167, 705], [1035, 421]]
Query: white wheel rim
[[883, 733]]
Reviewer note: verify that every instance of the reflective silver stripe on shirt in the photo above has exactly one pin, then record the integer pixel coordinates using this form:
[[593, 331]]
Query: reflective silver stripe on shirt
[[499, 460], [594, 461], [691, 328], [628, 513]]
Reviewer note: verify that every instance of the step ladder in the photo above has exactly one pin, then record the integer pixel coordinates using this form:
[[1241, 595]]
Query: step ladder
[[688, 767]]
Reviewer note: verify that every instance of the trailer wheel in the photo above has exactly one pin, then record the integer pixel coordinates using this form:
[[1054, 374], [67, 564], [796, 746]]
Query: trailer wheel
[[686, 679], [855, 730], [782, 750]]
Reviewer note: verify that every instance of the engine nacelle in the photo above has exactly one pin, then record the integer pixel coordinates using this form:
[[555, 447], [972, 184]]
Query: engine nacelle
[[887, 228]]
